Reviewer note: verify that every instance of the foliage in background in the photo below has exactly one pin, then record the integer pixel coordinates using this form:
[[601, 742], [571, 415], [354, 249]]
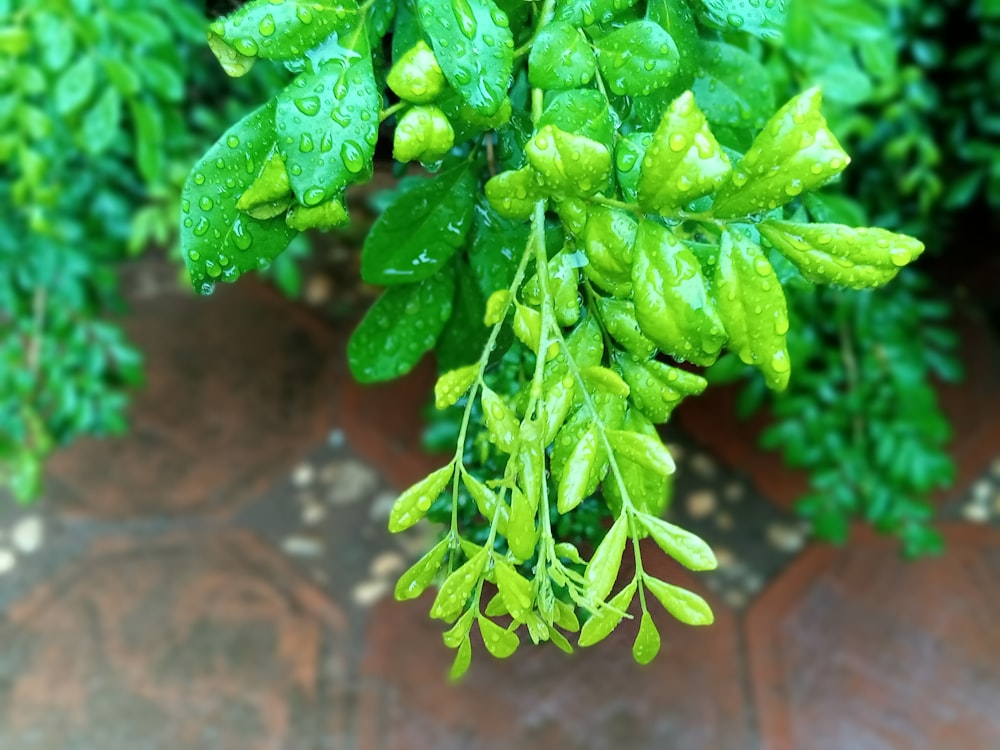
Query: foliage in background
[[103, 104], [612, 192]]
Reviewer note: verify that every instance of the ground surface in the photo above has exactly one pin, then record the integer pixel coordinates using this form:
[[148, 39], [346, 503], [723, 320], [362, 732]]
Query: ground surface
[[218, 580]]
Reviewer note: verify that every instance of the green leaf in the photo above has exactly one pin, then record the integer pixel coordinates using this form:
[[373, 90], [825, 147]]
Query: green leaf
[[560, 58], [608, 239], [676, 18], [458, 587], [217, 241], [685, 605], [421, 230], [498, 641], [581, 474], [474, 46], [752, 307], [649, 491], [656, 388], [413, 504], [502, 425], [514, 193], [463, 659], [688, 549], [569, 163], [602, 570], [637, 59], [794, 153], [629, 154], [453, 385], [647, 642], [618, 317], [582, 112], [515, 590], [487, 502], [75, 85], [684, 161], [101, 122], [148, 122], [328, 125], [422, 134], [522, 535], [646, 450], [764, 20], [671, 297], [416, 76], [836, 254], [591, 12], [165, 80], [464, 336], [401, 326], [416, 580], [283, 30], [600, 626], [732, 87]]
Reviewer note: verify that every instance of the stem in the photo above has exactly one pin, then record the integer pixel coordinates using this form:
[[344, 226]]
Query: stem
[[544, 16], [388, 112], [39, 303]]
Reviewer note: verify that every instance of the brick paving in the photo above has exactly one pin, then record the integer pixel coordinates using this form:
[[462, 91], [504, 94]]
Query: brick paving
[[220, 579]]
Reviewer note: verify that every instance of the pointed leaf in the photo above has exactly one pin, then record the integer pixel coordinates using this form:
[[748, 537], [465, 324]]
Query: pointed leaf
[[487, 502], [764, 20], [688, 549], [581, 475], [416, 580], [569, 163], [602, 570], [413, 504], [638, 58], [685, 605], [600, 625], [646, 450], [458, 587], [462, 661], [732, 88], [647, 641]]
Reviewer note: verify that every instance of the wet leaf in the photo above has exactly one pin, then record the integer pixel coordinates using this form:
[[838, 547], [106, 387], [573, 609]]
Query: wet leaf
[[416, 580], [463, 659], [474, 47], [75, 86], [688, 549], [684, 161], [217, 240], [422, 134], [591, 12], [413, 504], [421, 230], [458, 587], [513, 194], [522, 535], [402, 325], [672, 303], [836, 254], [487, 502], [498, 641], [569, 163], [647, 642], [685, 605], [764, 20], [560, 58], [602, 570], [416, 76], [637, 59], [515, 590], [619, 319], [453, 385], [502, 425], [629, 154], [581, 474], [327, 125], [646, 450], [732, 87], [601, 625], [752, 307], [656, 388]]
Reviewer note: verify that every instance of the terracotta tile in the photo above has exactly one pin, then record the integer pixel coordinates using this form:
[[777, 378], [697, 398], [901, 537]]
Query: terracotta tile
[[856, 648], [184, 643], [689, 698], [384, 423], [240, 385]]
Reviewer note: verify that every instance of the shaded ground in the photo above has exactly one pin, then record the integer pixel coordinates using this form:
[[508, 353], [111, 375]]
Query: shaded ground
[[219, 580]]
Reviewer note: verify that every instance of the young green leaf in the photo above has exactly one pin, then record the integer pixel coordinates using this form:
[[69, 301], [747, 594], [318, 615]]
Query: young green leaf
[[323, 217], [569, 163], [502, 425], [602, 570], [685, 605], [459, 632], [458, 587], [618, 317], [794, 153], [600, 625], [498, 641], [422, 134], [487, 502], [528, 326], [656, 388], [560, 58], [836, 254], [413, 504], [591, 12], [646, 450], [515, 590], [638, 58], [513, 194], [402, 325], [474, 47], [603, 380], [463, 659], [327, 122], [454, 384], [416, 580], [647, 641], [217, 241], [416, 76], [522, 535], [583, 112], [688, 549], [557, 402], [671, 297], [421, 230], [752, 307], [684, 161], [581, 474]]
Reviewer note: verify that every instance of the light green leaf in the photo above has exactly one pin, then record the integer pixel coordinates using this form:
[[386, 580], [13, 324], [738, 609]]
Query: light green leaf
[[463, 659], [487, 502], [413, 504], [569, 163], [422, 134], [688, 549], [581, 474], [502, 425], [522, 535], [474, 46], [416, 580], [515, 590], [327, 123], [421, 230], [602, 570], [581, 112], [647, 641], [656, 388], [836, 254], [672, 303], [416, 76], [629, 153], [165, 80], [600, 626], [763, 19], [402, 325], [646, 450], [752, 307], [637, 59], [498, 641], [75, 85], [794, 153], [560, 58], [458, 587], [453, 385], [217, 241], [685, 605], [684, 161]]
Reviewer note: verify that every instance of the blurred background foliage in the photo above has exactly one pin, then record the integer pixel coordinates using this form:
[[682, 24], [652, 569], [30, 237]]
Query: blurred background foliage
[[105, 104]]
